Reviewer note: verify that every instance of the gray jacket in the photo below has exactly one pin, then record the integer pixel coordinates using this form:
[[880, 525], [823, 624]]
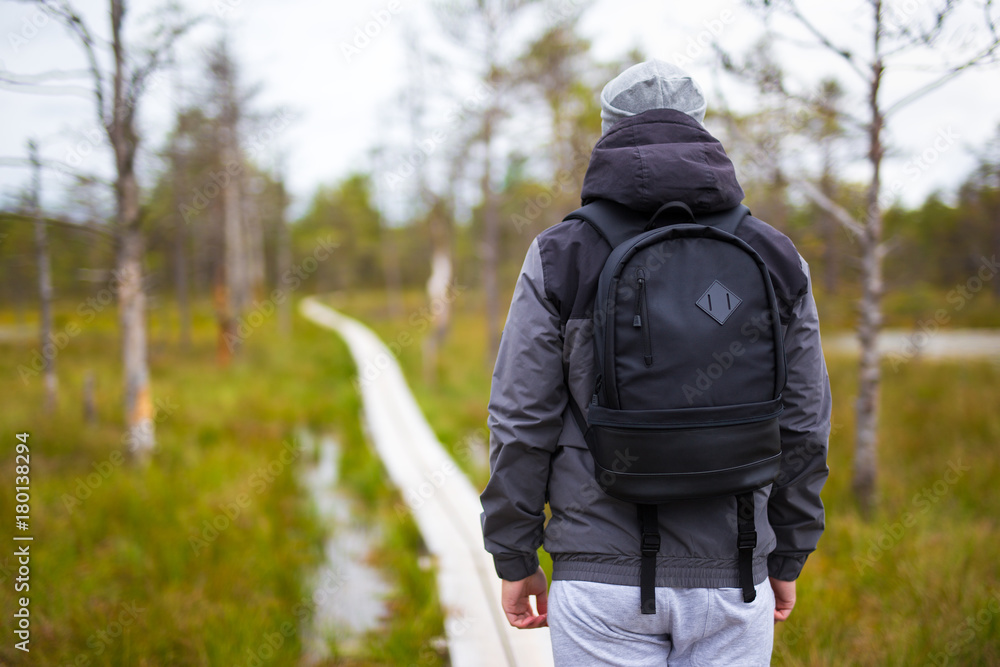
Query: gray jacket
[[538, 454]]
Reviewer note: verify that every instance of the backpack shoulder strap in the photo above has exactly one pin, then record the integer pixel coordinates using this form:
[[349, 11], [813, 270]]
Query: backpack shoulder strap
[[727, 220], [615, 222]]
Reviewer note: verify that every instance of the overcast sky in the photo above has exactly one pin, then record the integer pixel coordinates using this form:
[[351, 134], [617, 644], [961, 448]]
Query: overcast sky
[[295, 50]]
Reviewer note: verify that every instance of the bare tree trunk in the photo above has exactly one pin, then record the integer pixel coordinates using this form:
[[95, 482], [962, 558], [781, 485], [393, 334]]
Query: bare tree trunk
[[234, 286], [181, 284], [253, 235], [994, 210], [180, 256], [89, 404], [391, 270], [869, 368], [490, 251], [829, 227], [284, 257], [227, 322], [235, 227], [438, 286], [140, 433], [132, 319], [44, 282], [232, 220]]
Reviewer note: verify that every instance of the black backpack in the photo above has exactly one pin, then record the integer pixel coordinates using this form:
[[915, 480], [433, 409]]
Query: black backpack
[[690, 368]]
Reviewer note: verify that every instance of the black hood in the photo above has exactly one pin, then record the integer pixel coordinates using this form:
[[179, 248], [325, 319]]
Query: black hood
[[661, 156]]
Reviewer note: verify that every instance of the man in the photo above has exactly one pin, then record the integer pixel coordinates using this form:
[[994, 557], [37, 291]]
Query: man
[[654, 150]]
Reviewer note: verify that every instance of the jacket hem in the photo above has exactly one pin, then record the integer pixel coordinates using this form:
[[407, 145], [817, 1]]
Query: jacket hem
[[671, 572]]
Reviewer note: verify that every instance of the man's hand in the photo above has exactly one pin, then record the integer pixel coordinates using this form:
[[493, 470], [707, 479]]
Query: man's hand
[[784, 598], [514, 597]]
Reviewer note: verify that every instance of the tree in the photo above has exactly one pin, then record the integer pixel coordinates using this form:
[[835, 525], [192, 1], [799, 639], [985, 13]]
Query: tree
[[759, 137], [551, 67], [44, 279], [483, 28], [346, 212], [890, 39], [116, 94], [236, 272], [432, 212], [979, 202], [827, 129]]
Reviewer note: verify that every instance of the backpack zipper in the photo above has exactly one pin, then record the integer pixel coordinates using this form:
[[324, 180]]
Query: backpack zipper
[[641, 315]]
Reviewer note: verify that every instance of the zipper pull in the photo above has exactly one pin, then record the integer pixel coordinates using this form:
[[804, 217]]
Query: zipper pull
[[640, 293]]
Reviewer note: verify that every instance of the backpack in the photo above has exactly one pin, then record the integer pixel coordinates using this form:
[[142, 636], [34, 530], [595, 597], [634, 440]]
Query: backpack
[[690, 366]]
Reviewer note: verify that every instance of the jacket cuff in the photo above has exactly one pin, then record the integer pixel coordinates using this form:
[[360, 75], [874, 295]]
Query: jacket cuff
[[785, 568], [515, 568]]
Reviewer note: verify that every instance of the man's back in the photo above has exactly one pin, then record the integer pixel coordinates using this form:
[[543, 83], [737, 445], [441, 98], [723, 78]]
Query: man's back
[[538, 452]]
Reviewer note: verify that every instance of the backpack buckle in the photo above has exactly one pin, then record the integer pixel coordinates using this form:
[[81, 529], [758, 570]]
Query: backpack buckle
[[746, 540], [651, 544]]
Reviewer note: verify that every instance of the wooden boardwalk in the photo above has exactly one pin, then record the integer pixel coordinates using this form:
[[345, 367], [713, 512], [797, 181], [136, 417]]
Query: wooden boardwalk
[[444, 504]]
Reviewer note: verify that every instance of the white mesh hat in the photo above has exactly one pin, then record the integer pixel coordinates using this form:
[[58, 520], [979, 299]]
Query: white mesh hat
[[654, 84]]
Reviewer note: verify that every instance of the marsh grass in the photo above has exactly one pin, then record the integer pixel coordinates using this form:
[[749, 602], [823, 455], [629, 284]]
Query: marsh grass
[[202, 556]]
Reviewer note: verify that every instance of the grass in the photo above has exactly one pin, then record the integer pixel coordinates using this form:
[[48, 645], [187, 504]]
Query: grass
[[908, 309], [898, 589], [201, 557], [915, 584]]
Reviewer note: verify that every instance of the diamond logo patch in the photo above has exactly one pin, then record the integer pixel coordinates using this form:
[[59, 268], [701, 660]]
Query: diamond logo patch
[[719, 302]]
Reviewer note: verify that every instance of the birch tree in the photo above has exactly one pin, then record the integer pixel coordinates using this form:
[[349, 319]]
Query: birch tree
[[116, 91], [44, 268], [893, 33], [827, 130], [484, 28]]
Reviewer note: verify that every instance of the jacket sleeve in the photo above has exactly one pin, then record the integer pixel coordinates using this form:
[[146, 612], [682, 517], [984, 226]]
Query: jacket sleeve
[[795, 509], [527, 400]]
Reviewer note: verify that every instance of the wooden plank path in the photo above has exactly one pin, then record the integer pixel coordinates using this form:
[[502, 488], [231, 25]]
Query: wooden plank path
[[925, 343], [448, 512]]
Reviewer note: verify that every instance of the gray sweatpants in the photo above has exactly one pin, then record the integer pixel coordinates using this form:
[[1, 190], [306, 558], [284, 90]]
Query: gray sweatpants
[[600, 624]]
